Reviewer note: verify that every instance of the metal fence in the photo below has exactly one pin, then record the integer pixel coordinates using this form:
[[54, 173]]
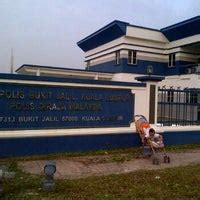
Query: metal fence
[[178, 106]]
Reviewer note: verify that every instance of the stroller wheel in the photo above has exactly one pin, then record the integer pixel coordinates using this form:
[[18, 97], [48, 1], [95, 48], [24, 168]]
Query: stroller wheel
[[166, 159], [155, 161]]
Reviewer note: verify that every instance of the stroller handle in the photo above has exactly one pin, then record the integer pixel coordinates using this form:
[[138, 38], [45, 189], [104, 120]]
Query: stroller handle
[[142, 116]]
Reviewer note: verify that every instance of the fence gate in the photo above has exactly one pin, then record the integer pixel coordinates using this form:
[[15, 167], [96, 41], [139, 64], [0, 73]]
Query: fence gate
[[178, 107]]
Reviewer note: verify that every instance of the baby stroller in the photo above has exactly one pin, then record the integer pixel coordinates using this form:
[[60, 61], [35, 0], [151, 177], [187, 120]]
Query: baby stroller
[[150, 139]]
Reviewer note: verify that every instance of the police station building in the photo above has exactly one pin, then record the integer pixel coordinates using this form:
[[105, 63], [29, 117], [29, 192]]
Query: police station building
[[130, 70], [121, 51]]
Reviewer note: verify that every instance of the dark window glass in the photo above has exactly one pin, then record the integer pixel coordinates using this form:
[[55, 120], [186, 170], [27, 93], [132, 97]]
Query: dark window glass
[[117, 57], [129, 57], [172, 60], [88, 63], [193, 70], [187, 97], [170, 96], [193, 97], [132, 57]]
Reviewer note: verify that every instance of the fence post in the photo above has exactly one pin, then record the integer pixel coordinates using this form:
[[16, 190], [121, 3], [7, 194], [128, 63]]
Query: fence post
[[152, 96]]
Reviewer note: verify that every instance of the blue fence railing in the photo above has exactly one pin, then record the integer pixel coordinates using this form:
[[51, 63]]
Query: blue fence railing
[[178, 107]]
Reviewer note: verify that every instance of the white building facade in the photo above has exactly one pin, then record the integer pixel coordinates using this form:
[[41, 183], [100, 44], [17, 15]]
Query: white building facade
[[122, 52], [128, 51]]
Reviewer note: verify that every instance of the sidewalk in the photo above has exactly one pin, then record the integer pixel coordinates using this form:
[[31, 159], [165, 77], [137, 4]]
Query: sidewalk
[[81, 167]]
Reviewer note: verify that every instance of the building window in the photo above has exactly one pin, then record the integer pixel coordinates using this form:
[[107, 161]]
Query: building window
[[117, 57], [172, 60], [187, 100], [193, 69], [132, 57], [88, 64], [170, 96], [193, 98]]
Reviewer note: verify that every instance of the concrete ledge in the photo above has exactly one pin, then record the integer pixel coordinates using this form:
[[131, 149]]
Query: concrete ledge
[[65, 132], [28, 146], [162, 129], [150, 78], [35, 142]]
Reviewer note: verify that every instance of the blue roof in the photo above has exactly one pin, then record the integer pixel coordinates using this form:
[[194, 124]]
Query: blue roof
[[68, 80], [56, 68], [182, 29], [104, 35], [117, 29]]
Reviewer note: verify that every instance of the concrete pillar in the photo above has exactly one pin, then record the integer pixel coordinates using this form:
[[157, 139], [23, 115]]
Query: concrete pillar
[[38, 72], [152, 96], [96, 77]]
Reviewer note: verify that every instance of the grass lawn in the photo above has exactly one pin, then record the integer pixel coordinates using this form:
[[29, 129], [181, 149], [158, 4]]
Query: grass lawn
[[114, 154], [173, 183]]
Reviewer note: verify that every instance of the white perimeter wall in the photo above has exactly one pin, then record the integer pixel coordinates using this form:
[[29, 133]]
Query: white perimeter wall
[[141, 100], [183, 81]]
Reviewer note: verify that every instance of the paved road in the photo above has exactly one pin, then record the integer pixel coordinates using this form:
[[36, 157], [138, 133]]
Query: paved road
[[81, 167]]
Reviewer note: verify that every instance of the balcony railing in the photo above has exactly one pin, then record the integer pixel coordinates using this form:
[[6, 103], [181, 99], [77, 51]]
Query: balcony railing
[[190, 69]]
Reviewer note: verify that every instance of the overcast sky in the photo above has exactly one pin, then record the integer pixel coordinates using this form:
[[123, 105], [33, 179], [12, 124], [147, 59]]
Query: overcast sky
[[45, 32]]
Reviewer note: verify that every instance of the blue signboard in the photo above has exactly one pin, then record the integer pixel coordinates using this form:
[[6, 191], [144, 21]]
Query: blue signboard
[[24, 106]]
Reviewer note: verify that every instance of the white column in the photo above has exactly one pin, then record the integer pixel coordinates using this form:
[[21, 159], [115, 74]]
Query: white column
[[38, 72], [96, 77]]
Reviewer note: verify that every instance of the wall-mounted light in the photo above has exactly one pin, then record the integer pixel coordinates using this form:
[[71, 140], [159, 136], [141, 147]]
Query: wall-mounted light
[[50, 168], [149, 70], [48, 183]]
